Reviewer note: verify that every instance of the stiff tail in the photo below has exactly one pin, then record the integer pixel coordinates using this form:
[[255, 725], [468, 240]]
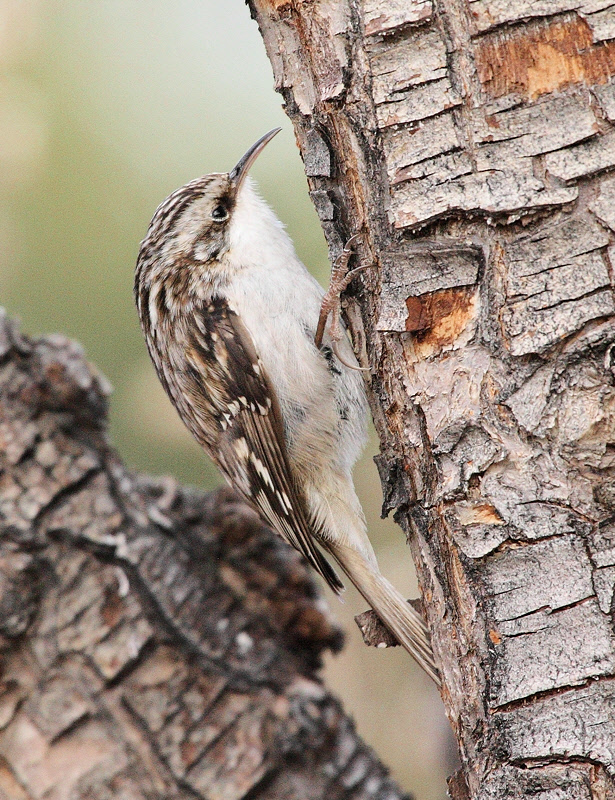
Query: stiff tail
[[394, 611]]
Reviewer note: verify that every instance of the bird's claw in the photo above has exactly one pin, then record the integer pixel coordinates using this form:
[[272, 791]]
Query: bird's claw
[[331, 302], [344, 362]]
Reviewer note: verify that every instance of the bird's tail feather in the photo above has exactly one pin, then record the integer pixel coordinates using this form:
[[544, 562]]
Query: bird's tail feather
[[394, 611]]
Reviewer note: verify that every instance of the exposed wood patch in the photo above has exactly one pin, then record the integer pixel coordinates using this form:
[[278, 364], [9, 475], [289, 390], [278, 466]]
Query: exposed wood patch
[[437, 168], [534, 60], [430, 309], [481, 513], [440, 317]]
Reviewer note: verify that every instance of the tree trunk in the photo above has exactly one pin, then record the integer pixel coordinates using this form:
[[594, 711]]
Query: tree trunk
[[155, 642], [469, 144]]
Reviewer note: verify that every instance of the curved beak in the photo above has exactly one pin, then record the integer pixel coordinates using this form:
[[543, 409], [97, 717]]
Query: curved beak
[[238, 174]]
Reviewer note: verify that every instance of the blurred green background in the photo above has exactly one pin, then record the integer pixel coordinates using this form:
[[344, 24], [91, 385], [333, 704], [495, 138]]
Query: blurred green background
[[105, 108]]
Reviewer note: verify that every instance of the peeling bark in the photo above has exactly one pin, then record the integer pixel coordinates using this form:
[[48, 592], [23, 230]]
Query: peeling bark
[[155, 642], [470, 143]]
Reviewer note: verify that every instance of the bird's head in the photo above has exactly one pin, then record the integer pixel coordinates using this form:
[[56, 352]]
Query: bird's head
[[198, 224]]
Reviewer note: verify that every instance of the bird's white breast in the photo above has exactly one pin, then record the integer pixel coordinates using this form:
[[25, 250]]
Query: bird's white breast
[[279, 303]]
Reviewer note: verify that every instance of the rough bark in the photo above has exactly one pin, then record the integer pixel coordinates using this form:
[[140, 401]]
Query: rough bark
[[469, 142], [155, 642]]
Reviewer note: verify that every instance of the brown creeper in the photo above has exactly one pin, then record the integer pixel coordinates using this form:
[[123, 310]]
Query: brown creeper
[[230, 314]]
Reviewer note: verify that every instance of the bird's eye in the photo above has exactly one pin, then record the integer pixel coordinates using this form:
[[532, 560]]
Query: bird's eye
[[219, 214]]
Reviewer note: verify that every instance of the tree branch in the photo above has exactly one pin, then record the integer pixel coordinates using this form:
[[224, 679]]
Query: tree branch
[[155, 641]]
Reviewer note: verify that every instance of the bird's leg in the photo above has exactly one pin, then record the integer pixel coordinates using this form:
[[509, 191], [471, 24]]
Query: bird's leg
[[331, 303], [340, 278]]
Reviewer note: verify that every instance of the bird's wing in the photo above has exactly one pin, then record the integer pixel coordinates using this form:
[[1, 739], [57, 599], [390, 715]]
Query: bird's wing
[[250, 448]]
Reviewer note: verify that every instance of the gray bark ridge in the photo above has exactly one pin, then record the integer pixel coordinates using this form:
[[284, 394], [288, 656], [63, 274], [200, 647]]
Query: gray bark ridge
[[472, 145], [155, 642]]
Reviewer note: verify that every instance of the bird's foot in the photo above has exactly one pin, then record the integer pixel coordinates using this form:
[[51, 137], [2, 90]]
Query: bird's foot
[[331, 305]]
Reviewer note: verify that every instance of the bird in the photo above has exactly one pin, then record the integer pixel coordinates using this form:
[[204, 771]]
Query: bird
[[230, 317]]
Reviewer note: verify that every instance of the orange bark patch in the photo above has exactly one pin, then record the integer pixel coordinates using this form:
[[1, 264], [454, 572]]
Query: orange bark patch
[[440, 317], [495, 636], [543, 58], [478, 514]]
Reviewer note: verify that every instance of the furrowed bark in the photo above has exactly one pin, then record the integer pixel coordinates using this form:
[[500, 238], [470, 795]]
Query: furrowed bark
[[155, 642], [470, 143]]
